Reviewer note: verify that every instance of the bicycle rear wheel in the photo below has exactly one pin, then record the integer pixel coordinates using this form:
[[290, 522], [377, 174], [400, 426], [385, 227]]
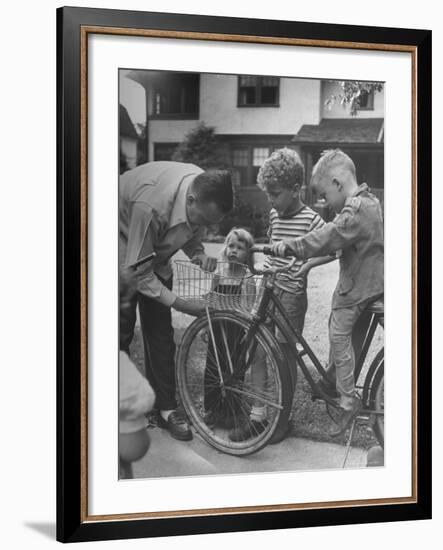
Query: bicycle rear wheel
[[222, 373], [377, 398]]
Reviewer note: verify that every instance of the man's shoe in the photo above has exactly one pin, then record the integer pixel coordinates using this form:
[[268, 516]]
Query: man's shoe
[[219, 419], [177, 426], [347, 417], [247, 431], [327, 388]]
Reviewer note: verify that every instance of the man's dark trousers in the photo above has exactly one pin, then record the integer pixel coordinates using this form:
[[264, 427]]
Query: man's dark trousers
[[159, 346]]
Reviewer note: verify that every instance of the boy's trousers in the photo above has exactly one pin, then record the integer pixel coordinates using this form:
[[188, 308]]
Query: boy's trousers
[[341, 351]]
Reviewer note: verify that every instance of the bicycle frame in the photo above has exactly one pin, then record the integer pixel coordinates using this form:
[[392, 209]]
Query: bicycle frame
[[270, 307]]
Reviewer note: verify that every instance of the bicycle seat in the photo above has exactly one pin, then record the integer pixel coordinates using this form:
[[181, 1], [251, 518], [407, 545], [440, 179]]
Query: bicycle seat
[[377, 306]]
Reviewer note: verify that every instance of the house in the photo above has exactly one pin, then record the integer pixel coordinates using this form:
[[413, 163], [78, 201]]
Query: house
[[254, 115], [128, 140]]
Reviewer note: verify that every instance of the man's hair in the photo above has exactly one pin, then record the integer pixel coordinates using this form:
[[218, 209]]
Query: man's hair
[[283, 168], [215, 186], [333, 160]]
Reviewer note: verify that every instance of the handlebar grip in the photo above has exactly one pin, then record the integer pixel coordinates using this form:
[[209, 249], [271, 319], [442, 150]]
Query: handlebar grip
[[265, 249]]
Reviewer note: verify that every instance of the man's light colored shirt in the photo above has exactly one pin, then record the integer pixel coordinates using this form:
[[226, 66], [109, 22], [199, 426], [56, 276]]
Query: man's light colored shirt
[[152, 218]]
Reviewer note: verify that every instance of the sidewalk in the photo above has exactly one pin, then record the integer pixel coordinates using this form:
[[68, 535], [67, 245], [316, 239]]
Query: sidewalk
[[168, 457]]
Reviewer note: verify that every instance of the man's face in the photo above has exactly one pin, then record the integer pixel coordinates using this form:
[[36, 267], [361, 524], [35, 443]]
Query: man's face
[[331, 190], [202, 213], [281, 198]]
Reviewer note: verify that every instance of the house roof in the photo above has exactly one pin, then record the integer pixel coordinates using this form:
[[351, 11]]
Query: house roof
[[342, 130], [126, 127]]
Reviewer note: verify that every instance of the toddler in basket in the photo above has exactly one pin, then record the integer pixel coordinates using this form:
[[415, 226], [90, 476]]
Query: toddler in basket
[[232, 276], [232, 286]]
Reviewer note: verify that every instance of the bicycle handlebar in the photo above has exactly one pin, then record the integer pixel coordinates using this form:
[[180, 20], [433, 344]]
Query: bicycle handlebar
[[266, 249]]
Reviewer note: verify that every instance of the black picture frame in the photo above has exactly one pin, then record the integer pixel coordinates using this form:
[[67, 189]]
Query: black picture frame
[[73, 523]]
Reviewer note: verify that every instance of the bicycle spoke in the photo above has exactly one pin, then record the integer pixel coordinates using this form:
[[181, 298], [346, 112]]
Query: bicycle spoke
[[225, 342], [254, 395], [217, 374]]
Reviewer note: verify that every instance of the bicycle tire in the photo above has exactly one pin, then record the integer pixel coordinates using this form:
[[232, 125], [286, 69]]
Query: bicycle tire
[[376, 401], [240, 393]]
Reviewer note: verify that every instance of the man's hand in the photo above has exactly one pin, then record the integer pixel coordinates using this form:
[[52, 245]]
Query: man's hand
[[128, 288], [190, 307], [281, 249], [207, 263]]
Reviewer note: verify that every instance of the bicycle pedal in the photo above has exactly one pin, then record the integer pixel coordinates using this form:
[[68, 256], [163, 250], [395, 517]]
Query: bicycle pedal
[[317, 397]]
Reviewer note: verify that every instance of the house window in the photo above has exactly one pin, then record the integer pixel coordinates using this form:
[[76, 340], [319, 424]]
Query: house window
[[240, 157], [365, 101], [259, 155], [240, 164], [246, 162], [258, 91], [177, 96]]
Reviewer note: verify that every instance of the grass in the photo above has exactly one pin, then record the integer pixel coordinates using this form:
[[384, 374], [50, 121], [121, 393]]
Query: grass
[[309, 418]]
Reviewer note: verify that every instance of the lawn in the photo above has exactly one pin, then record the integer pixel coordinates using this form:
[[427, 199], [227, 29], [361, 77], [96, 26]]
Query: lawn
[[309, 418]]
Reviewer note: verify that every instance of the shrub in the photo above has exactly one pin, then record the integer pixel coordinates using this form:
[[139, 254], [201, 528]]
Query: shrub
[[202, 148], [246, 215]]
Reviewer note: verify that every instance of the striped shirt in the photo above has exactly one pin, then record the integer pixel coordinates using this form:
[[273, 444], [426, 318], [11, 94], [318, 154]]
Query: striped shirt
[[302, 222]]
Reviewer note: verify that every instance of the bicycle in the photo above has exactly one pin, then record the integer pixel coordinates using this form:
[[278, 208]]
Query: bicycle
[[218, 352]]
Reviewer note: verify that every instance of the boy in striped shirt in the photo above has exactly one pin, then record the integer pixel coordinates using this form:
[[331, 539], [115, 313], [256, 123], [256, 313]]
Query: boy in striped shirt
[[281, 177]]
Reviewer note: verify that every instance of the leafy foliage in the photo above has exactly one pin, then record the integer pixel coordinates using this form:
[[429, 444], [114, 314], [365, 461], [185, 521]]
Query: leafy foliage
[[247, 215], [202, 148], [123, 163], [351, 93]]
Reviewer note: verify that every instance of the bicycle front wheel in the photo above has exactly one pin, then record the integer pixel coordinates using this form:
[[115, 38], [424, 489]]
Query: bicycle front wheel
[[233, 382]]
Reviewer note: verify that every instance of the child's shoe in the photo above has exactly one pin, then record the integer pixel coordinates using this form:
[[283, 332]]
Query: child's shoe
[[327, 388], [252, 429], [211, 418], [347, 417]]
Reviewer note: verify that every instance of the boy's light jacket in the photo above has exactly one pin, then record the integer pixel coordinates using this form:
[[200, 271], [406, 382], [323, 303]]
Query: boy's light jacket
[[358, 232]]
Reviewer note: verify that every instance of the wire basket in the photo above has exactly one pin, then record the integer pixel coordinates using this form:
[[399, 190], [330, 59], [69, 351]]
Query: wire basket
[[229, 287]]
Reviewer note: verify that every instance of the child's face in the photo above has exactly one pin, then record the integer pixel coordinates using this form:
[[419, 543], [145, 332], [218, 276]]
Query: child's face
[[282, 198], [331, 190], [236, 250]]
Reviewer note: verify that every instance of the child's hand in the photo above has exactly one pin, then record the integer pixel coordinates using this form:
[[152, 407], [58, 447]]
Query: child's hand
[[303, 271], [280, 249], [207, 263]]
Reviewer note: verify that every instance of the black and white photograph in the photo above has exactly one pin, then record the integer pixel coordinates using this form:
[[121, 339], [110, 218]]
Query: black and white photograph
[[219, 222], [251, 273], [239, 205]]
